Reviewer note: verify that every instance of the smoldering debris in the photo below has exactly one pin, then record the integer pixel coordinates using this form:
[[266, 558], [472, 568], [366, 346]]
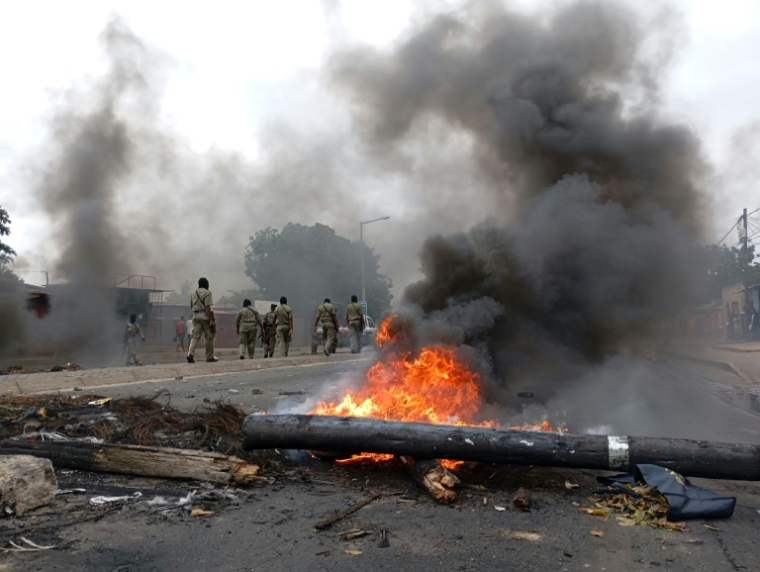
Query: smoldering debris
[[131, 421], [603, 198]]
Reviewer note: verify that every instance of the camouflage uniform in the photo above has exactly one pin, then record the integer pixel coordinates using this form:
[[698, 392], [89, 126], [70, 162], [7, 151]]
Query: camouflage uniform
[[270, 333], [283, 315], [355, 322], [201, 327], [248, 319], [131, 331], [327, 316]]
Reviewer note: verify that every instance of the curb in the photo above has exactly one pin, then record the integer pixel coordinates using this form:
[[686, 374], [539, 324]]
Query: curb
[[724, 365], [26, 384], [734, 350]]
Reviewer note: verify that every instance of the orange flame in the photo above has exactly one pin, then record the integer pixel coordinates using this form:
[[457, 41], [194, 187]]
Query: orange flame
[[434, 386], [384, 334]]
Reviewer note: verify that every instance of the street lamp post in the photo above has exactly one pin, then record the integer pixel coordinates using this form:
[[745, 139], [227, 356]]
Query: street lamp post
[[361, 250]]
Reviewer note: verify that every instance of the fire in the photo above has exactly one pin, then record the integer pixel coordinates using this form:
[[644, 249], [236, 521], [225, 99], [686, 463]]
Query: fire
[[384, 334], [431, 386]]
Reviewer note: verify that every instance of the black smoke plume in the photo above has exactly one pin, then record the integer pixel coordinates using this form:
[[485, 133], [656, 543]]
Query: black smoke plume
[[602, 196], [89, 160]]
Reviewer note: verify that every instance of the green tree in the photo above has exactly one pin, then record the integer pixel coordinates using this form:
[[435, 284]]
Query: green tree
[[725, 266], [310, 263], [6, 252]]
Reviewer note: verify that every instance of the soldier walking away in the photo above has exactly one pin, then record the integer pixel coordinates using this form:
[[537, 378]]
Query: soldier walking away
[[328, 316], [355, 323], [248, 319], [180, 333], [269, 336], [284, 320], [132, 330], [203, 321]]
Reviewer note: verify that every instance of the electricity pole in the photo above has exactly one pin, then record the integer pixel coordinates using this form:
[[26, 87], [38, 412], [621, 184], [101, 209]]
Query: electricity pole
[[361, 254]]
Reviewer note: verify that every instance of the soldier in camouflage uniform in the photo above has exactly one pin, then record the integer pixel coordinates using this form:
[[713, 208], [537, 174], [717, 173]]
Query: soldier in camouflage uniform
[[284, 317], [328, 316], [132, 330], [270, 331], [355, 323], [248, 319], [204, 323]]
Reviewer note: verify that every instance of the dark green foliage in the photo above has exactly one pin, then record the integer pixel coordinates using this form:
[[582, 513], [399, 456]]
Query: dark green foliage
[[6, 252], [310, 263], [728, 265]]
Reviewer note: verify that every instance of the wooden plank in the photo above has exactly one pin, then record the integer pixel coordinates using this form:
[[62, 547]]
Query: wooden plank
[[138, 460]]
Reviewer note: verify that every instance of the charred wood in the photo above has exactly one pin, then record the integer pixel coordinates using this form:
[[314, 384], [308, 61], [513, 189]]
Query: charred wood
[[436, 479], [138, 460]]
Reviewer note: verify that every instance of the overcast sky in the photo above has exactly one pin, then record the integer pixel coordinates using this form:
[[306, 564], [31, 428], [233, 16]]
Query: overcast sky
[[234, 67]]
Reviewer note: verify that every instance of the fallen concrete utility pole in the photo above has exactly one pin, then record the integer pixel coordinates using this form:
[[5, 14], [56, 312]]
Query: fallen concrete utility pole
[[352, 434], [137, 460]]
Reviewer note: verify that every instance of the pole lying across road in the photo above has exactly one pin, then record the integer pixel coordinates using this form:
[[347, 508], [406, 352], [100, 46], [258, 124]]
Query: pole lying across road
[[604, 452]]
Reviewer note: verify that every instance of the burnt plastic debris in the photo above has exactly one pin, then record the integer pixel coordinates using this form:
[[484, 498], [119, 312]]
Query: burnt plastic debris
[[686, 500]]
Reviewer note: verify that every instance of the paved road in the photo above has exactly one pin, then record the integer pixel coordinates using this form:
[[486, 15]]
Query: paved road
[[264, 390], [273, 528]]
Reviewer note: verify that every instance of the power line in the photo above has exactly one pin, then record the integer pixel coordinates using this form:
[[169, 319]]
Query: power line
[[729, 232]]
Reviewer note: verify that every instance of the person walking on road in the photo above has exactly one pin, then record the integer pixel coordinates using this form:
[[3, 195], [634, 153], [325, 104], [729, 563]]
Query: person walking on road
[[248, 319], [328, 316], [203, 321], [284, 317], [180, 333], [355, 323], [132, 330], [270, 331]]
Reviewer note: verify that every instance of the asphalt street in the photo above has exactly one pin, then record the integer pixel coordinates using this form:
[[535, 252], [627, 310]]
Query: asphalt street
[[271, 527], [271, 390]]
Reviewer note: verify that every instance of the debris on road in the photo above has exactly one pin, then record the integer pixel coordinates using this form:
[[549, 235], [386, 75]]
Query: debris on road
[[344, 513], [384, 542], [26, 482], [31, 546], [101, 500], [684, 500], [522, 499], [201, 512], [436, 479], [649, 508], [597, 533]]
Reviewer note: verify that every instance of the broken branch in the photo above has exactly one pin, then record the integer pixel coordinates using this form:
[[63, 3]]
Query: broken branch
[[344, 513]]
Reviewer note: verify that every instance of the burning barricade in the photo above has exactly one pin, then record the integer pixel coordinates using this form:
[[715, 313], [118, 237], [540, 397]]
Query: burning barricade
[[424, 404]]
